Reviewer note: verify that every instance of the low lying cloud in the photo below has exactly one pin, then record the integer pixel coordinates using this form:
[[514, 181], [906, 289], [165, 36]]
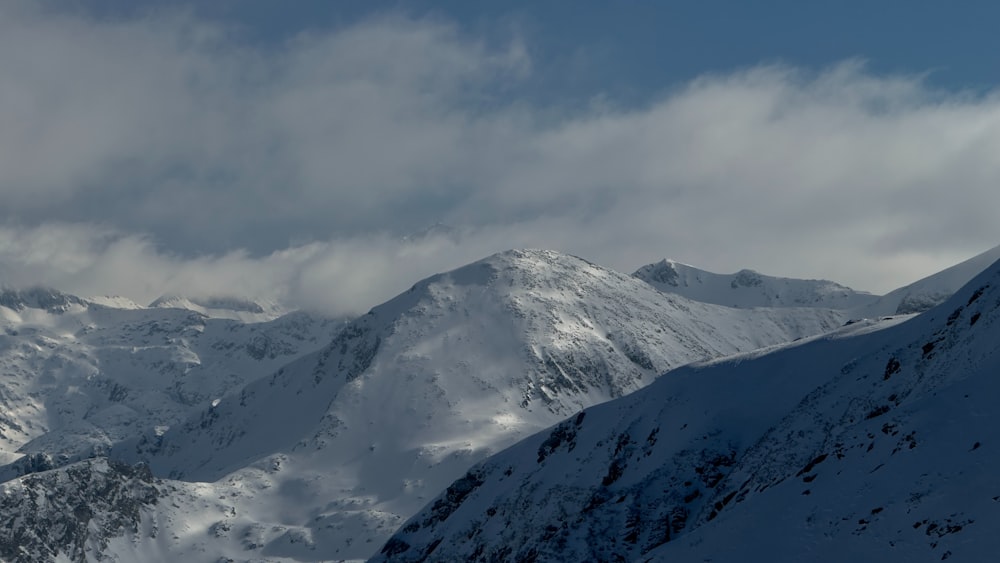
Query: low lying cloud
[[342, 277], [166, 155]]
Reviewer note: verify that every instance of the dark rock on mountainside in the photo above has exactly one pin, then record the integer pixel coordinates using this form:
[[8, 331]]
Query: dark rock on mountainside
[[73, 511]]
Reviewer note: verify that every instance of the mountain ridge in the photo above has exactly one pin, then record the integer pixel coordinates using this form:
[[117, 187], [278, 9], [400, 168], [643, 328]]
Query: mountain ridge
[[748, 288], [466, 361], [931, 290], [699, 464], [321, 438]]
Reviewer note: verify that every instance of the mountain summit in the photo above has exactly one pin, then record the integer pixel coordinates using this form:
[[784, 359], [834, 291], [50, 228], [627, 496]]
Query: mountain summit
[[857, 445], [463, 364], [748, 288]]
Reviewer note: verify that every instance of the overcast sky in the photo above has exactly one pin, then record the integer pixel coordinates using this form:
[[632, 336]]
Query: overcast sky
[[296, 151]]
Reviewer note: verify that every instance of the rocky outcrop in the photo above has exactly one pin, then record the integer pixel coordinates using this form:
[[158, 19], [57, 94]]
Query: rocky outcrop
[[73, 511]]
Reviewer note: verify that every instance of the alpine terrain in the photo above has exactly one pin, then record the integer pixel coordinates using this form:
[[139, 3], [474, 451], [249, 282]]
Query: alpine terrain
[[300, 439], [862, 444], [81, 375], [343, 445], [222, 429], [748, 288]]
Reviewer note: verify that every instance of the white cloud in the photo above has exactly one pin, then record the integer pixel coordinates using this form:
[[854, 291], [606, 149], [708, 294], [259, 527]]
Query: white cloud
[[345, 276], [164, 155]]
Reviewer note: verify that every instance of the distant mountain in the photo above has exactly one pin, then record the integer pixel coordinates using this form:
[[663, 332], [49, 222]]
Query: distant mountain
[[865, 444], [39, 297], [235, 308], [349, 441], [114, 302], [748, 288], [925, 293], [79, 376]]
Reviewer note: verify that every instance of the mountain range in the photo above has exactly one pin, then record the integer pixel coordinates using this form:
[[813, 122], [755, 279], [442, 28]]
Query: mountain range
[[748, 288], [463, 364], [867, 443], [167, 432]]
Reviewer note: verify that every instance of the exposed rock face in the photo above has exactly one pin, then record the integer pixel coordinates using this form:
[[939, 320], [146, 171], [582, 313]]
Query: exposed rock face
[[920, 302], [39, 297], [661, 273], [73, 511]]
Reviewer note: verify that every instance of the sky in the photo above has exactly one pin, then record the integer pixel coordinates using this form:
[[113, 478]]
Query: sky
[[327, 155]]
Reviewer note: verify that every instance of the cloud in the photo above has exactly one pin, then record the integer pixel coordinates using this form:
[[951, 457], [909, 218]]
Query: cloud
[[342, 277], [167, 124], [162, 154]]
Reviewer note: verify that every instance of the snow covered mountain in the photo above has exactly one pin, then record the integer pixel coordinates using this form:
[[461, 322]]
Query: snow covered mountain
[[79, 377], [748, 288], [295, 440], [235, 308], [865, 444], [333, 451], [925, 293]]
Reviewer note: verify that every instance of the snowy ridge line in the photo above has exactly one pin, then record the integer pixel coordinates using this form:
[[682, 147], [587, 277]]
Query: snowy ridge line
[[747, 288], [306, 438], [467, 362], [871, 445]]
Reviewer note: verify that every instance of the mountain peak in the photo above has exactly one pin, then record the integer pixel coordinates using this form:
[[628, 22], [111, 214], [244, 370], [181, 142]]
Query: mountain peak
[[865, 442], [458, 367], [223, 307], [39, 297], [749, 288]]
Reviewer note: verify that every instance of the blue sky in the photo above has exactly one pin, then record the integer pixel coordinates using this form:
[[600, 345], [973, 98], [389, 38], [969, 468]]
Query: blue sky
[[291, 150], [633, 50]]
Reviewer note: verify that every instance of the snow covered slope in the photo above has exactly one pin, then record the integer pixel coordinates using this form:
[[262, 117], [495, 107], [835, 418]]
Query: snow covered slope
[[748, 288], [925, 293], [235, 308], [79, 377], [864, 445], [353, 439]]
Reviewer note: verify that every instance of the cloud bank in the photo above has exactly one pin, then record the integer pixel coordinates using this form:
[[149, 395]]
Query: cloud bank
[[163, 154]]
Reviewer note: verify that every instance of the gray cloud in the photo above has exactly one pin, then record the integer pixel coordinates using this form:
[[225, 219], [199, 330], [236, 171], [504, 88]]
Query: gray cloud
[[164, 155]]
